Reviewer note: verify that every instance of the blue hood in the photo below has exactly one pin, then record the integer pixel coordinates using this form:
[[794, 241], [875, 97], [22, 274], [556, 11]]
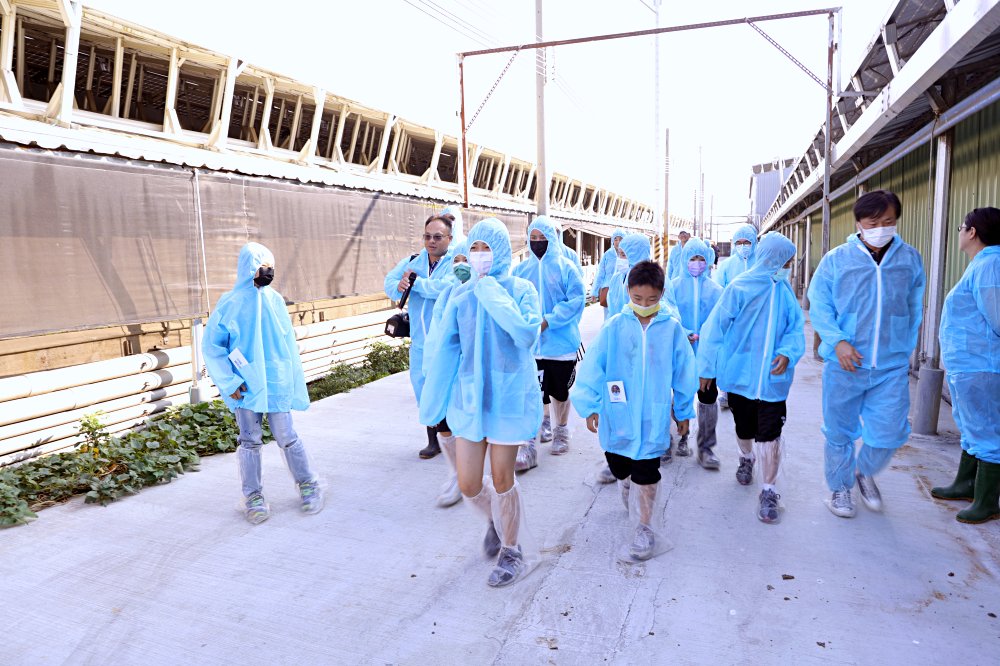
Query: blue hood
[[252, 257], [772, 253], [493, 232], [636, 248]]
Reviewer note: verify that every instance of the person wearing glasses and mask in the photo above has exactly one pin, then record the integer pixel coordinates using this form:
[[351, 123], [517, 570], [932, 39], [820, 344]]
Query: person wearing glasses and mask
[[970, 353], [483, 379], [744, 244], [866, 304], [425, 275]]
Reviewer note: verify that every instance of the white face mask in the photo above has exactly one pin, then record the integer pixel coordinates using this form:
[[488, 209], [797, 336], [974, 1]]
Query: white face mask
[[621, 265], [879, 236], [742, 251], [481, 262]]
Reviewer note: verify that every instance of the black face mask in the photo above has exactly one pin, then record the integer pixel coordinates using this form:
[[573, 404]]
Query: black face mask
[[538, 247], [264, 277]]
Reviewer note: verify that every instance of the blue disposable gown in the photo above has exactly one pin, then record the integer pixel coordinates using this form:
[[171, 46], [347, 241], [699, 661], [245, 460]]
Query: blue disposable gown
[[651, 364], [674, 263], [734, 264], [484, 377], [636, 248], [560, 291], [970, 352], [877, 308], [255, 322], [460, 248], [607, 266], [756, 319], [695, 296], [420, 303]]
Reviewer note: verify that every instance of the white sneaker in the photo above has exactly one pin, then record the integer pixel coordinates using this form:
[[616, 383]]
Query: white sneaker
[[869, 492], [450, 494], [560, 440], [841, 503]]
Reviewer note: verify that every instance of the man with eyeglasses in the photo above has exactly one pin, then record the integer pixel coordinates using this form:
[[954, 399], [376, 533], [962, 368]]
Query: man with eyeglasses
[[866, 304], [425, 275]]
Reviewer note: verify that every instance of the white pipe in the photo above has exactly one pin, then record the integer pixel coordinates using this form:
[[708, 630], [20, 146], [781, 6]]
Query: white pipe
[[60, 418], [47, 381], [84, 396]]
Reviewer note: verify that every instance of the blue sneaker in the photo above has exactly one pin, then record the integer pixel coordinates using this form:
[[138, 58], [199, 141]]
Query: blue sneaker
[[256, 509]]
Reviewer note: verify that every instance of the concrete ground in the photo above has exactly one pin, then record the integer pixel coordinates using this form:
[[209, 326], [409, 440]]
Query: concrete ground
[[175, 575]]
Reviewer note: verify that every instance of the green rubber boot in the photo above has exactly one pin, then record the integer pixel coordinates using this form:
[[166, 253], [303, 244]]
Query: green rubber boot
[[963, 487], [986, 505]]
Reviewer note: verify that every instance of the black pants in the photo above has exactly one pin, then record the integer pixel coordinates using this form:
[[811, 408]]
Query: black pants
[[710, 396], [556, 378], [757, 419], [643, 472]]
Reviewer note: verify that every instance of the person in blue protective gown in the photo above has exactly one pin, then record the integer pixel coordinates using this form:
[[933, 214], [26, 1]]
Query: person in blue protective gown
[[750, 345], [866, 304], [484, 380], [744, 243], [252, 357], [612, 262], [561, 298], [641, 358], [674, 261], [461, 273], [970, 353], [425, 274], [695, 295], [636, 248]]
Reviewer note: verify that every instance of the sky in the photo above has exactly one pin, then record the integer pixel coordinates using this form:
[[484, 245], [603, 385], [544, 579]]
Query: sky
[[728, 97]]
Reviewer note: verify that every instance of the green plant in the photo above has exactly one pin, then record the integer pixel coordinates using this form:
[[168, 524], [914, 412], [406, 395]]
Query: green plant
[[381, 361]]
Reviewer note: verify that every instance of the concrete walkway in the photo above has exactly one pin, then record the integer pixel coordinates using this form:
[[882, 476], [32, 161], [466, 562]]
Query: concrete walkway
[[174, 575]]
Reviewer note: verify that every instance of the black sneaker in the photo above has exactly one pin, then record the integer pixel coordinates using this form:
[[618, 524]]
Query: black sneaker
[[491, 542], [429, 451], [744, 473], [768, 512], [510, 566]]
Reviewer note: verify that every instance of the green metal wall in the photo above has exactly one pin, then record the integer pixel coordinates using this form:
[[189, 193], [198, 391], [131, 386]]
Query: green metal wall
[[975, 182]]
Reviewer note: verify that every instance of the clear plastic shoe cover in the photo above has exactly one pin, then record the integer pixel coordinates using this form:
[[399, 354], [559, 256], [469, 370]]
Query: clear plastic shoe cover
[[511, 526], [644, 537]]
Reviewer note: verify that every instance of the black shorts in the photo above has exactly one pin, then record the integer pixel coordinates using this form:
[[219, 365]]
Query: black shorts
[[710, 396], [757, 419], [643, 472], [556, 378]]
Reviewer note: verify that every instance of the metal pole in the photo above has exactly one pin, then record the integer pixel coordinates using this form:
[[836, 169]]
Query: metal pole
[[541, 175], [465, 147], [931, 377], [666, 195], [656, 123], [828, 138]]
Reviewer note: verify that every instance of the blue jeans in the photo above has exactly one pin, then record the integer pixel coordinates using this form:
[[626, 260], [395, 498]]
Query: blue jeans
[[251, 439]]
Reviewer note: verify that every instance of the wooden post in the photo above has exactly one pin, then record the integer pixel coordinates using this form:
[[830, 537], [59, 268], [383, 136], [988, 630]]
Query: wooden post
[[293, 132], [116, 79], [223, 116], [128, 88], [10, 90], [171, 124], [309, 150], [264, 134], [341, 119]]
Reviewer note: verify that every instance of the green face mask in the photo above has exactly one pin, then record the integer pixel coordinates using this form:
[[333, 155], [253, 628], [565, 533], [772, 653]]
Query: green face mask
[[462, 271], [645, 312]]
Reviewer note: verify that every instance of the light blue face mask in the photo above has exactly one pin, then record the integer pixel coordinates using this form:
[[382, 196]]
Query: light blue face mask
[[743, 251], [784, 274]]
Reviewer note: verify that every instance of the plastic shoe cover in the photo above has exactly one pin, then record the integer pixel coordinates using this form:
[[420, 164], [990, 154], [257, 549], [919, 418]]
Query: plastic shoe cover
[[768, 456], [723, 400], [624, 487], [545, 432], [605, 476], [841, 503], [527, 457], [450, 494], [682, 447], [256, 509], [312, 495], [768, 510], [667, 457], [560, 441], [744, 473], [510, 566], [643, 539], [707, 459], [643, 544], [491, 542], [511, 527], [869, 492]]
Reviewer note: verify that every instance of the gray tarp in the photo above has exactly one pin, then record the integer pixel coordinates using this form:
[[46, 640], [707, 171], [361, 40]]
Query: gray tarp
[[88, 242]]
